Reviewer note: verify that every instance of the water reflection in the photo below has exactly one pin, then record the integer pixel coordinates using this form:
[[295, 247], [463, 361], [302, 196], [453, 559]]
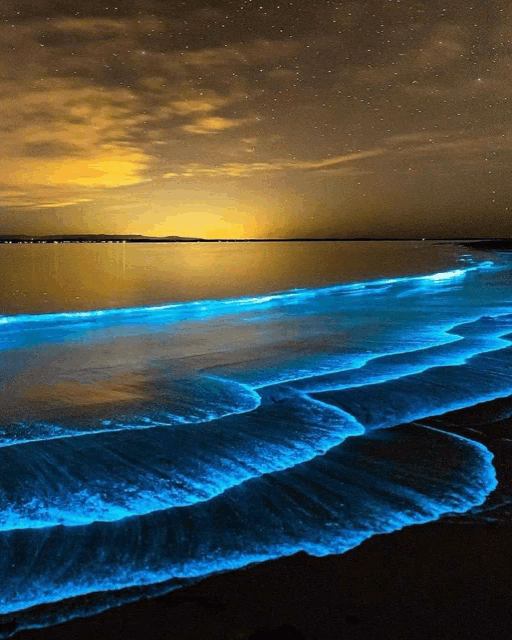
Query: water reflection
[[42, 278]]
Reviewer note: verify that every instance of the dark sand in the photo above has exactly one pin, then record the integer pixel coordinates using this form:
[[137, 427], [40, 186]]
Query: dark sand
[[439, 580], [501, 244]]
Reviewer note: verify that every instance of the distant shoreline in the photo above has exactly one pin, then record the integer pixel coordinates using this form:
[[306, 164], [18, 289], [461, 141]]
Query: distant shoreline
[[501, 244], [476, 243]]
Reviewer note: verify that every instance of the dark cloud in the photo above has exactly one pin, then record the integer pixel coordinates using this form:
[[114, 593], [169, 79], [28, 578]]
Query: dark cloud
[[49, 149]]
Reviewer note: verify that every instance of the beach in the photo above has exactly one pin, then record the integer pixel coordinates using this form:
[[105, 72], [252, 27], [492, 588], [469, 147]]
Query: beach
[[430, 581], [310, 463], [444, 579]]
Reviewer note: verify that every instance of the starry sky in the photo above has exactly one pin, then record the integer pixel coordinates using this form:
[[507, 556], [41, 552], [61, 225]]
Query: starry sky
[[256, 118]]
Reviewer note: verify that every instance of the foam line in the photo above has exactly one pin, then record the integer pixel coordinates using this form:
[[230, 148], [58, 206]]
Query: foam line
[[432, 392], [450, 350], [111, 476], [206, 308]]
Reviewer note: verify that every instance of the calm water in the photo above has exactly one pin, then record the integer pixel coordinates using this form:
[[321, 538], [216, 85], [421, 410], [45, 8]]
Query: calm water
[[42, 278], [169, 411]]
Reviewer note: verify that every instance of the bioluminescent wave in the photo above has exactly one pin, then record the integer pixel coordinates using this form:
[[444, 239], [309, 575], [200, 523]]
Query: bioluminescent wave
[[25, 330], [201, 308], [110, 476], [324, 506], [180, 401], [143, 448]]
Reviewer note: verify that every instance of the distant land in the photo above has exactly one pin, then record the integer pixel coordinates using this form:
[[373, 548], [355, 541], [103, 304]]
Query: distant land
[[476, 243], [88, 238], [496, 244]]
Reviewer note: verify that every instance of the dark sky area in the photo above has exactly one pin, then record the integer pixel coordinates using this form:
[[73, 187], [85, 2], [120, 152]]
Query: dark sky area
[[309, 118]]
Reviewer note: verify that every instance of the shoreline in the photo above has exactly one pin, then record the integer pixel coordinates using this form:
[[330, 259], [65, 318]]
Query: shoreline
[[440, 579]]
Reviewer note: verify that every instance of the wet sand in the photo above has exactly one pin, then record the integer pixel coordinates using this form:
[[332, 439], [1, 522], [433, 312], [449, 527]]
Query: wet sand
[[439, 580]]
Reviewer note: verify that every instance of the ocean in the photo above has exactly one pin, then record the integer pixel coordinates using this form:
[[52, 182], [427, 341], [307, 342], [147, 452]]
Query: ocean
[[172, 411]]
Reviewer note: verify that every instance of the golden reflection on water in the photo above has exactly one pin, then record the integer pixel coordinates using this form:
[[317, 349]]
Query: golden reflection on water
[[125, 387], [56, 277]]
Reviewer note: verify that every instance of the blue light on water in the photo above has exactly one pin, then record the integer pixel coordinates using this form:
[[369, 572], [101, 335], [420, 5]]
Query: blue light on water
[[451, 348], [261, 457], [204, 308], [225, 397], [301, 508], [179, 467], [447, 275]]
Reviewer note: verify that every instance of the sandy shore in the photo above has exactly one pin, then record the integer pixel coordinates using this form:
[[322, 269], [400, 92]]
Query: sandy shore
[[439, 580]]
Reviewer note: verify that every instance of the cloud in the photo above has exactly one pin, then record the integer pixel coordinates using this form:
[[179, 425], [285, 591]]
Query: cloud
[[338, 160], [435, 64], [241, 170], [95, 99], [49, 149], [112, 166], [181, 100], [187, 107], [250, 53], [489, 152], [211, 125], [90, 97], [67, 134], [48, 197], [60, 205], [447, 43], [463, 150]]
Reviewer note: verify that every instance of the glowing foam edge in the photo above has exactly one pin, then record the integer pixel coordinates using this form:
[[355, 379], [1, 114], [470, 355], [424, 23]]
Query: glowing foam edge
[[222, 306]]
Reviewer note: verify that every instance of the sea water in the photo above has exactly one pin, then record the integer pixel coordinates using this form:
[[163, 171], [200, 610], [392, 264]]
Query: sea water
[[171, 411]]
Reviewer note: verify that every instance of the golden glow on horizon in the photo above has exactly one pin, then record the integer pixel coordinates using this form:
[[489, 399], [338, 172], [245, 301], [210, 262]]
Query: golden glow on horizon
[[201, 220], [201, 224]]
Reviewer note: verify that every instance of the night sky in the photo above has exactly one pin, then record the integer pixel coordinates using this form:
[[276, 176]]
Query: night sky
[[310, 118]]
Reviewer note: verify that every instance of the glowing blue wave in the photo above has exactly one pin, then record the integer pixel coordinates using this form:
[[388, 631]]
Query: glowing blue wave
[[461, 343], [432, 392], [111, 476], [206, 308], [136, 473], [327, 505], [274, 445], [199, 400]]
